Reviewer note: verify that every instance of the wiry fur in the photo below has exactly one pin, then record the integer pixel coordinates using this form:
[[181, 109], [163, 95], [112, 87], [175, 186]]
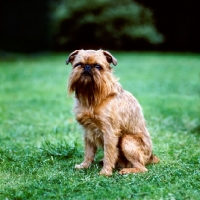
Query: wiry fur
[[111, 117]]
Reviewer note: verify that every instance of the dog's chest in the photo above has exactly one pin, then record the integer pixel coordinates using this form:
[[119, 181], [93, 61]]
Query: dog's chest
[[92, 125], [89, 120]]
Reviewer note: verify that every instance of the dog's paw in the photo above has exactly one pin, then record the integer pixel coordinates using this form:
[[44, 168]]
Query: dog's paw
[[132, 170], [126, 171], [81, 166], [105, 172]]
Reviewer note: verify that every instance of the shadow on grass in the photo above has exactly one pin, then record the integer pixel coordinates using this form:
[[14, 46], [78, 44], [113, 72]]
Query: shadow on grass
[[196, 130], [62, 150]]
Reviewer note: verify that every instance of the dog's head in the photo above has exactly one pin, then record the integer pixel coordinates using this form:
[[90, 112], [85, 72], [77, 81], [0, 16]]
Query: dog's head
[[91, 78]]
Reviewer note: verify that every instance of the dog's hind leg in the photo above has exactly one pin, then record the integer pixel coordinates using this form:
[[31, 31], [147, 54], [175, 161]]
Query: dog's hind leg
[[136, 151]]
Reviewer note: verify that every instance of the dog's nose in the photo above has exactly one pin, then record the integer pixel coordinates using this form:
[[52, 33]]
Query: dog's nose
[[87, 68]]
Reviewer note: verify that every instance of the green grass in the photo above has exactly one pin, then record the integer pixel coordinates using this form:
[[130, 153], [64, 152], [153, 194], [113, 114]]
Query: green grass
[[40, 142]]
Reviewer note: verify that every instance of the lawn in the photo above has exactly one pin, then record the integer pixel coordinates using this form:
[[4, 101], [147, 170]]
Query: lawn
[[40, 142]]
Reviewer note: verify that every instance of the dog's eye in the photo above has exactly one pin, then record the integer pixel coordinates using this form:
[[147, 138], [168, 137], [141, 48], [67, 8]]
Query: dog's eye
[[98, 67], [78, 65]]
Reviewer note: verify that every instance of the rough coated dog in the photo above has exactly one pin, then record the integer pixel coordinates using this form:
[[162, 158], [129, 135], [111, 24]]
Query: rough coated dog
[[110, 116]]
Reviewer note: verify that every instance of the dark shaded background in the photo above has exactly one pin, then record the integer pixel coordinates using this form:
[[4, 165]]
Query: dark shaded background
[[179, 21], [25, 26]]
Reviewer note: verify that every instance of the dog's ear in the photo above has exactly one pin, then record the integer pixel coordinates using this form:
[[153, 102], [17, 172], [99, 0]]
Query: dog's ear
[[71, 57], [110, 58]]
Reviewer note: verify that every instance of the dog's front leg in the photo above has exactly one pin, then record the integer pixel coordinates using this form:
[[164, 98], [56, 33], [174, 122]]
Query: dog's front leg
[[110, 154], [90, 150]]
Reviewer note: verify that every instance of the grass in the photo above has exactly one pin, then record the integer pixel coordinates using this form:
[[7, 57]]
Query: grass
[[40, 141]]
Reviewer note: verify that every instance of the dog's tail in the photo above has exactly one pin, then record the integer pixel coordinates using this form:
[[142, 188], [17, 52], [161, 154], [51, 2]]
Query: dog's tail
[[153, 159]]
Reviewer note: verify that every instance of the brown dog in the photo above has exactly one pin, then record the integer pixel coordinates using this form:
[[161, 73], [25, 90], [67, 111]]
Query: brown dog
[[110, 116]]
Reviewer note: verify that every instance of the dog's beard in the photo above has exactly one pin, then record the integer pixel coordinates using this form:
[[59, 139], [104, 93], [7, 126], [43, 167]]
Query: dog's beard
[[87, 89], [90, 89]]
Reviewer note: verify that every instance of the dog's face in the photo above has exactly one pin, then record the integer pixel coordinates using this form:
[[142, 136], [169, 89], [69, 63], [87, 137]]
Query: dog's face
[[91, 74]]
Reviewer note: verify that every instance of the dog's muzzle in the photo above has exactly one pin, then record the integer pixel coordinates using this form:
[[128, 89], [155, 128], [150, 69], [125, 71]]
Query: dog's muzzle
[[87, 68]]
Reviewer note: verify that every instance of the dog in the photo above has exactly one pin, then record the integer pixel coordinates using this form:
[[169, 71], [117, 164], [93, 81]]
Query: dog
[[110, 116]]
